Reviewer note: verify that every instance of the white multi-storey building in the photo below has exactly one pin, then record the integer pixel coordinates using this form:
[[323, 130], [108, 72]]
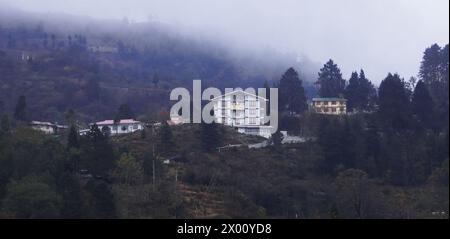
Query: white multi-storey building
[[242, 110]]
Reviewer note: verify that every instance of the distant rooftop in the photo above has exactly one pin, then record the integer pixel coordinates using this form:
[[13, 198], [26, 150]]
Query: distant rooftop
[[329, 99], [123, 121], [236, 92], [41, 123], [34, 122]]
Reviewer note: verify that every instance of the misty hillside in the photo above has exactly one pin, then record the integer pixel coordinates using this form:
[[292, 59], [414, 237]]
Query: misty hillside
[[63, 62]]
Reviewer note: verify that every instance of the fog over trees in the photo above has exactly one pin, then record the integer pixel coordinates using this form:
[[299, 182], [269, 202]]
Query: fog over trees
[[379, 36]]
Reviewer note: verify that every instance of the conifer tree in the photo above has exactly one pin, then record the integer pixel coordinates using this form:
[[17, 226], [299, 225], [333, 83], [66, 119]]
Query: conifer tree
[[394, 105], [330, 81], [422, 105], [292, 93]]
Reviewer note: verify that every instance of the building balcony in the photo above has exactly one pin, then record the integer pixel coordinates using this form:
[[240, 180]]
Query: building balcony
[[237, 106]]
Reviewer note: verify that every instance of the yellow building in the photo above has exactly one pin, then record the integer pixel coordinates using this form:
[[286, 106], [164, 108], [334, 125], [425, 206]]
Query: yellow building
[[330, 106]]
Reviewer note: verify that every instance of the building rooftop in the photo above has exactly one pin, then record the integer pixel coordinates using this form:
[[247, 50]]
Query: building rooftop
[[41, 123], [329, 99], [123, 121], [238, 91]]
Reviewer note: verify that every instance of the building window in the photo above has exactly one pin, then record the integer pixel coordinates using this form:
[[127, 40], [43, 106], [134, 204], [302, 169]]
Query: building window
[[333, 102], [333, 110], [252, 103], [124, 128], [135, 126], [252, 112]]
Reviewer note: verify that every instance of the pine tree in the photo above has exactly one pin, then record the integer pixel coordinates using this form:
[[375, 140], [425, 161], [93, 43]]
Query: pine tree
[[394, 105], [422, 105], [20, 110], [97, 152], [360, 93], [429, 69], [330, 81], [352, 91], [292, 93], [434, 73]]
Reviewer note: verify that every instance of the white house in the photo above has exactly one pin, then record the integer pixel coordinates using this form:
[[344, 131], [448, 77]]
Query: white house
[[242, 110], [47, 127], [124, 126]]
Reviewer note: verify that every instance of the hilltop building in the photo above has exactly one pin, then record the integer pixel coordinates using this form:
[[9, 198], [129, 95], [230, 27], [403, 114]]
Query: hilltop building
[[124, 126], [47, 127], [243, 111], [330, 106]]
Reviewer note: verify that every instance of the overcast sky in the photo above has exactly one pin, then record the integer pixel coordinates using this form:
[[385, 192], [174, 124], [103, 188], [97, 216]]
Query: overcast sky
[[378, 35]]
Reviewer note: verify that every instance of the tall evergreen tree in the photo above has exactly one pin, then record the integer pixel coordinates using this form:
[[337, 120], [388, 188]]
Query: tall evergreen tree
[[97, 152], [360, 93], [430, 68], [394, 105], [330, 81], [422, 105], [292, 93], [352, 91], [434, 73], [20, 110]]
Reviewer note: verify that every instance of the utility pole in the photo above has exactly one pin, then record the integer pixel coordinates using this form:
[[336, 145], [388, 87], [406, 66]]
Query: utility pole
[[176, 175]]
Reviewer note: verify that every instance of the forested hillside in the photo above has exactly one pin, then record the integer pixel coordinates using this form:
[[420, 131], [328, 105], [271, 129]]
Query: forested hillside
[[387, 157], [63, 63]]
